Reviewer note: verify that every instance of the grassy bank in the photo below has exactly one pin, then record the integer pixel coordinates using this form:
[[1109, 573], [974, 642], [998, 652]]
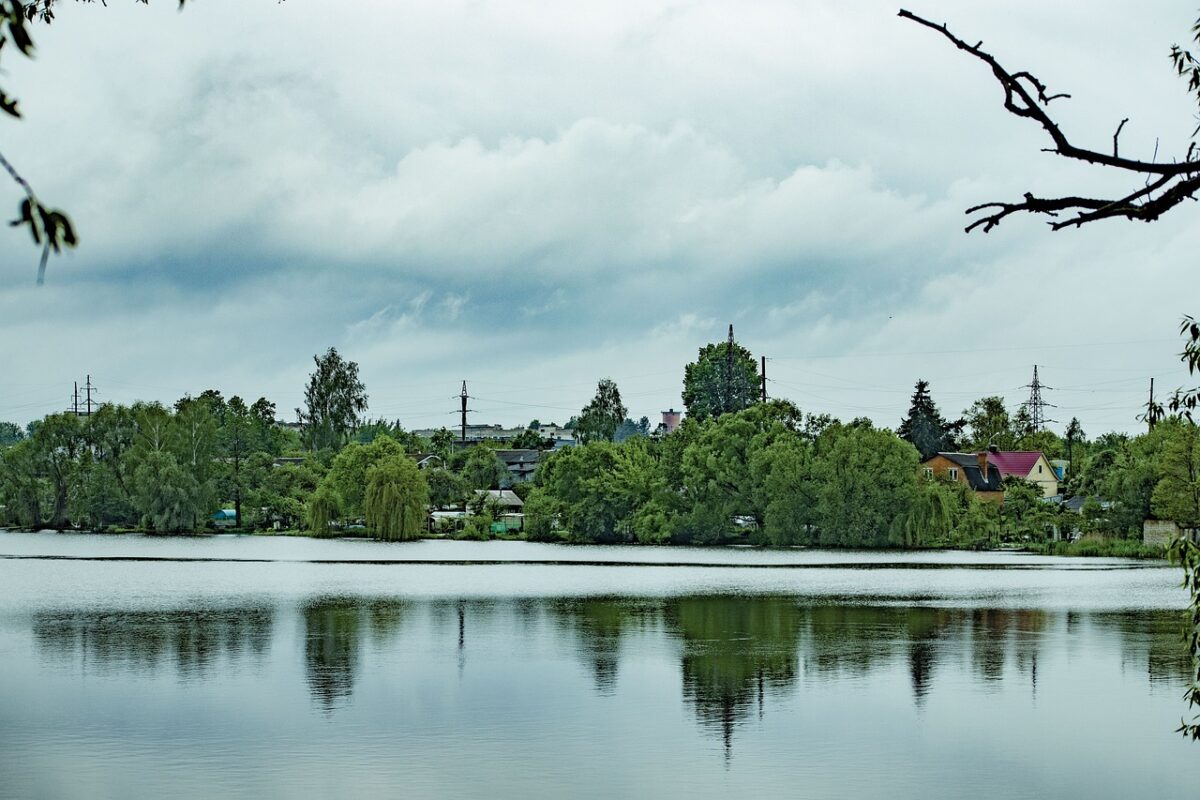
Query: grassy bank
[[1118, 548]]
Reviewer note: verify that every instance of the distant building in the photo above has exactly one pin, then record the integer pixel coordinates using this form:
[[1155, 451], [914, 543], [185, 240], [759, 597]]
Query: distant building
[[1060, 466], [521, 464], [971, 469], [476, 433], [561, 436]]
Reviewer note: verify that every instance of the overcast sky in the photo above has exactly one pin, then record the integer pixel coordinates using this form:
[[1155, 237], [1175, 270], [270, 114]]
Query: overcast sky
[[534, 195]]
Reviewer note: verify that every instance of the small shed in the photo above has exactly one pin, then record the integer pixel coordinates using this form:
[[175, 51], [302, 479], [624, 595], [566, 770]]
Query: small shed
[[1162, 532]]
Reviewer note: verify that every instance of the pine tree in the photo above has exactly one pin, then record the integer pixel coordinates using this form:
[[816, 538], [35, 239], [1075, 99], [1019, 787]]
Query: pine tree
[[924, 426]]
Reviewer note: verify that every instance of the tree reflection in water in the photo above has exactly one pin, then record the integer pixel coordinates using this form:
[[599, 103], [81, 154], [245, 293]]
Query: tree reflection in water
[[333, 633], [191, 640], [737, 655], [736, 650]]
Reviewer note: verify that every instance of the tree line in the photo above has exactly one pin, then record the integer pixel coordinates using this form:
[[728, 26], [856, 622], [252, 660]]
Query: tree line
[[739, 468]]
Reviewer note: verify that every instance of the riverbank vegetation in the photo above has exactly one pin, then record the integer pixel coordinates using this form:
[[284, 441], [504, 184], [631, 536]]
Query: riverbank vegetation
[[741, 469]]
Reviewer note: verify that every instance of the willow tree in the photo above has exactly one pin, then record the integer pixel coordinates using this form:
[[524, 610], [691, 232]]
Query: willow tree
[[396, 500], [322, 509]]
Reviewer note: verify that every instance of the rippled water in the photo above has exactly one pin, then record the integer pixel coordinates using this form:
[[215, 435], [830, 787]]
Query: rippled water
[[281, 667]]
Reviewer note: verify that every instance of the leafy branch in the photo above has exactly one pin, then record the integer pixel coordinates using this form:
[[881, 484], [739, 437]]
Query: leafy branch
[[1163, 186], [1186, 552], [50, 228]]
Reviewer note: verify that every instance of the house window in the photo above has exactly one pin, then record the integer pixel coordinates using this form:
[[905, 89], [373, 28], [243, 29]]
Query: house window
[[954, 473], [929, 472], [1039, 469]]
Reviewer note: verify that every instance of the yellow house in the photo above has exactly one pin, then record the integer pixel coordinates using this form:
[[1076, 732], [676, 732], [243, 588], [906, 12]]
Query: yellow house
[[1032, 465]]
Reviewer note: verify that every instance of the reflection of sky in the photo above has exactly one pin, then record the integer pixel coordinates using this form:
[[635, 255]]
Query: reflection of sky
[[254, 566], [317, 692]]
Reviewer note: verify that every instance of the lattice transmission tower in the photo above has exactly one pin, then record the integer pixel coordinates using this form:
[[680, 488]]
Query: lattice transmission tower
[[1035, 406]]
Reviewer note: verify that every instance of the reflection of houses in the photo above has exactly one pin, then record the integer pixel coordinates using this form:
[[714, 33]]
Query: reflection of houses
[[972, 469]]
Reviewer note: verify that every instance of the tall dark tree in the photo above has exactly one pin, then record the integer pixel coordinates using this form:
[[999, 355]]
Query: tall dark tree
[[334, 399], [601, 417], [237, 435], [722, 380], [924, 426], [1074, 436]]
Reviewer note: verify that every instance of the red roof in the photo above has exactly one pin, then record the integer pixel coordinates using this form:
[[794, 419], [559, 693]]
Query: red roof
[[1014, 462]]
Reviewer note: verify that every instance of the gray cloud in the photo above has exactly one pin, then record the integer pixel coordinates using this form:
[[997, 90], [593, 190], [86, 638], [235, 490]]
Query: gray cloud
[[534, 197]]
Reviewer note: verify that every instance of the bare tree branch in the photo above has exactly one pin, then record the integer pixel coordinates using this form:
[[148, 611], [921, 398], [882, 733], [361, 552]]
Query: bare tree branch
[[1026, 96], [1117, 135]]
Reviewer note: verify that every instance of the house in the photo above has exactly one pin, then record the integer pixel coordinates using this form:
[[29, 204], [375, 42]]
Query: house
[[1030, 465], [427, 460], [971, 469], [505, 498], [1075, 504], [521, 464]]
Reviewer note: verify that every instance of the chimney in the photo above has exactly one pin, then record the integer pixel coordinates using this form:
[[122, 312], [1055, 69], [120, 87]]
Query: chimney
[[983, 463]]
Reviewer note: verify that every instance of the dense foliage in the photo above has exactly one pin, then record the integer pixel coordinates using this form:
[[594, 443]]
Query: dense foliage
[[723, 379]]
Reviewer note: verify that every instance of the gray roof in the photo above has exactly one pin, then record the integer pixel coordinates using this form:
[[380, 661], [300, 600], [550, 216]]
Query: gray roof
[[980, 481]]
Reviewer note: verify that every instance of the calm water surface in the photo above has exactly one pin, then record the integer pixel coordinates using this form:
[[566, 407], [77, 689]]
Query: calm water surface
[[280, 667]]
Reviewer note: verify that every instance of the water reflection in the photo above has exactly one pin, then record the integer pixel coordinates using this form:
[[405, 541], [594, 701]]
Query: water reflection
[[735, 652], [190, 640], [333, 638], [737, 657], [599, 625]]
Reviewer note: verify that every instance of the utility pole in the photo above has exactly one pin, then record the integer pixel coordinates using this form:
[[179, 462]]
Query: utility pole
[[764, 379], [463, 397], [1151, 417], [727, 404], [89, 388], [1035, 404], [75, 400]]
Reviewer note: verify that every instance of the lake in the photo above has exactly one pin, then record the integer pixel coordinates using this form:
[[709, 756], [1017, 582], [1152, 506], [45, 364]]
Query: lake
[[278, 667]]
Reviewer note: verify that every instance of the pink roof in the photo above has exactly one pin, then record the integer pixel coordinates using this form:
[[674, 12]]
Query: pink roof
[[1014, 462]]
